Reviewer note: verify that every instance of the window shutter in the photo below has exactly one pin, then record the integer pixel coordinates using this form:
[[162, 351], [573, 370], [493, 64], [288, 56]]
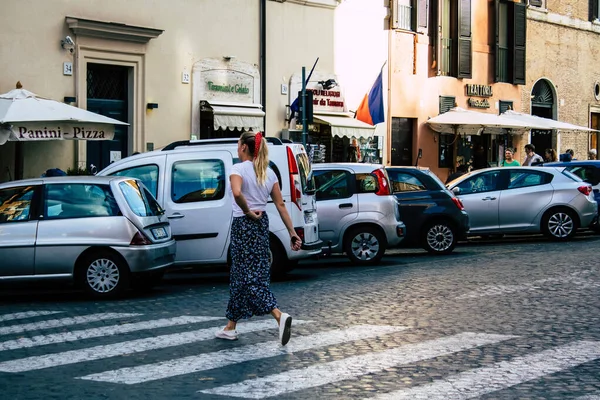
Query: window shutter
[[593, 10], [519, 13], [446, 103], [497, 42], [423, 12], [464, 39]]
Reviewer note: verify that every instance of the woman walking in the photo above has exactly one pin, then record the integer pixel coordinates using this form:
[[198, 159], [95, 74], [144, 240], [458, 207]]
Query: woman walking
[[251, 184]]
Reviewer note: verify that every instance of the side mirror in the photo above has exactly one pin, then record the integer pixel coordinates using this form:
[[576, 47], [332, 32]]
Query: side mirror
[[456, 190]]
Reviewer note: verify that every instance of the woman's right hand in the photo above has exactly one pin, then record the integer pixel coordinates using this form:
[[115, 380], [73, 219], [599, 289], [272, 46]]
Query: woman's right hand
[[296, 242]]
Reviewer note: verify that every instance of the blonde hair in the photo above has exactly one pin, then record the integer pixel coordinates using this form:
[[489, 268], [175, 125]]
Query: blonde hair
[[261, 159]]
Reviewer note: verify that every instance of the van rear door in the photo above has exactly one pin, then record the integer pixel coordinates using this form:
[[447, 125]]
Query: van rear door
[[197, 202], [304, 214]]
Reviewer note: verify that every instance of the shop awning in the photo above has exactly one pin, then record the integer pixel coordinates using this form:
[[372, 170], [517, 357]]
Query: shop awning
[[344, 125], [244, 117]]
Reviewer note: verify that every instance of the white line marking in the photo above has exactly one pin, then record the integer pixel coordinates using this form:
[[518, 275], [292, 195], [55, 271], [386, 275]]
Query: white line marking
[[589, 397], [351, 367], [54, 323], [478, 382], [122, 348], [73, 336], [26, 314], [203, 362]]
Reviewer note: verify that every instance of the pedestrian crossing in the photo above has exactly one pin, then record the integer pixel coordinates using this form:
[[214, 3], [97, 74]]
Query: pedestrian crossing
[[95, 343]]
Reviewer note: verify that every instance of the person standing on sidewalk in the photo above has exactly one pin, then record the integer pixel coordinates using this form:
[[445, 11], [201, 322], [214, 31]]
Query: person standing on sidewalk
[[251, 184], [532, 158]]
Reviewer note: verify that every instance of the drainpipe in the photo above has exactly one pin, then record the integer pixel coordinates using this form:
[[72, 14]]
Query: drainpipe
[[263, 58]]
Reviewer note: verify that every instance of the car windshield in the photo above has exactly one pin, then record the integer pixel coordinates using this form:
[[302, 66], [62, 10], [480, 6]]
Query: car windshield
[[139, 199]]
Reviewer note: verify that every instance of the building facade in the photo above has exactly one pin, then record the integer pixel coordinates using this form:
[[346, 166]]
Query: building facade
[[171, 70], [563, 73]]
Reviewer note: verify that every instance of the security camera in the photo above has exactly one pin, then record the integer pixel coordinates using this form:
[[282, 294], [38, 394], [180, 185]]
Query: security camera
[[68, 40], [68, 44]]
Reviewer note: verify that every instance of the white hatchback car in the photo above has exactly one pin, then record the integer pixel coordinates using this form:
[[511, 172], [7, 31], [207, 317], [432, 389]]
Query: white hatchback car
[[190, 181]]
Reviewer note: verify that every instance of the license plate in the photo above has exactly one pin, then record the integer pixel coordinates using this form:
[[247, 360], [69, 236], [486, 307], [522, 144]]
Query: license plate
[[308, 218], [159, 233]]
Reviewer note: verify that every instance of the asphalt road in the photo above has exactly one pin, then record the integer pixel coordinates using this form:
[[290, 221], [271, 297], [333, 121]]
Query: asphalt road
[[505, 319]]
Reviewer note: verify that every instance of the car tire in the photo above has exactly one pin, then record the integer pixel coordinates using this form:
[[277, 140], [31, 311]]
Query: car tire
[[103, 274], [439, 237], [559, 224], [280, 265], [364, 245]]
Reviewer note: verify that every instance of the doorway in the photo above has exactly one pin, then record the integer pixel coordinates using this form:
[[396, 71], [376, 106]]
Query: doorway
[[402, 139], [542, 105], [107, 94]]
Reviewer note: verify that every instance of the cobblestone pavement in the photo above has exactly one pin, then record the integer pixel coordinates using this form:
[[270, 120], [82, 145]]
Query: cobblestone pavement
[[517, 318]]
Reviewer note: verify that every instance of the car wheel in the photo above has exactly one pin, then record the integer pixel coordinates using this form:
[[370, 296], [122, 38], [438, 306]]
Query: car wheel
[[103, 274], [439, 237], [364, 245], [560, 224]]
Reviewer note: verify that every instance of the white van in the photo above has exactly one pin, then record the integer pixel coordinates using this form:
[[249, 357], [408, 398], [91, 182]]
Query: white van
[[190, 180]]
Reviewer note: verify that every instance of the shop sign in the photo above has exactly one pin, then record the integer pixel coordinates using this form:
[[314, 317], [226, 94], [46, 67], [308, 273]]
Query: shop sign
[[237, 88], [227, 86], [479, 103], [34, 131], [325, 99], [479, 90]]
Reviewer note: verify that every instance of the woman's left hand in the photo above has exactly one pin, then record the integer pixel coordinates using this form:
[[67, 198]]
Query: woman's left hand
[[254, 215]]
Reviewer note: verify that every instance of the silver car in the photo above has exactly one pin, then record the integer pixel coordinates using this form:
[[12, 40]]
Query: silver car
[[515, 200], [104, 233], [358, 214]]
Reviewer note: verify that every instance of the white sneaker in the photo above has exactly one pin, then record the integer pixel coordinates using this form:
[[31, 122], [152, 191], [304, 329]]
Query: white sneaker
[[285, 328], [227, 335]]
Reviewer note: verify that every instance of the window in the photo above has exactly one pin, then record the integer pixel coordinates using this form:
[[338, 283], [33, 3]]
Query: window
[[587, 173], [198, 180], [594, 9], [402, 182], [519, 179], [454, 50], [148, 174], [511, 26], [484, 182], [15, 203], [140, 201], [409, 14], [505, 106], [447, 103], [78, 200], [366, 183], [538, 3], [332, 185]]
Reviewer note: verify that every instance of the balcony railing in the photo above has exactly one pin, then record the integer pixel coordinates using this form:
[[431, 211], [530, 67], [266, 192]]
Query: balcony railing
[[446, 56], [502, 64]]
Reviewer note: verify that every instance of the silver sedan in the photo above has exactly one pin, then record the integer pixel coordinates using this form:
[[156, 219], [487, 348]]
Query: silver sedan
[[104, 233], [525, 200]]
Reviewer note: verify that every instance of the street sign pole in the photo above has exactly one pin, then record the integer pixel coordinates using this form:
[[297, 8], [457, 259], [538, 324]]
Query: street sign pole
[[304, 127]]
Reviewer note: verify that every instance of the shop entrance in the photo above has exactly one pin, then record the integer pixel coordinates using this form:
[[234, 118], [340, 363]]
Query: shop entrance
[[402, 134], [107, 93], [542, 105]]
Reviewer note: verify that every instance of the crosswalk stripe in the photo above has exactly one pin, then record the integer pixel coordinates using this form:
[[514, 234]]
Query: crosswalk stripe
[[219, 359], [128, 347], [54, 323], [73, 336], [26, 314], [589, 397], [481, 381], [351, 367]]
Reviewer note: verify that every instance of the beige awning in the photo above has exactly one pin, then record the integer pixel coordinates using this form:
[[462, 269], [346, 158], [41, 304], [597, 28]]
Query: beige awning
[[244, 117], [344, 125]]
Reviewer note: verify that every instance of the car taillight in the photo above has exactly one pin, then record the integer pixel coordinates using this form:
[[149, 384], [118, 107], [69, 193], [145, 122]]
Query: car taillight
[[382, 183], [300, 233], [458, 203], [295, 192], [585, 190], [140, 240]]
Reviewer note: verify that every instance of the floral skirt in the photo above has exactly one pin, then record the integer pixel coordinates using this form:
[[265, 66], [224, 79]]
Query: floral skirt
[[250, 274]]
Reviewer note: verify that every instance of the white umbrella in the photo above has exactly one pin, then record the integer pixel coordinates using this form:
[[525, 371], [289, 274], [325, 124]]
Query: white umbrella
[[460, 121], [24, 116], [546, 123]]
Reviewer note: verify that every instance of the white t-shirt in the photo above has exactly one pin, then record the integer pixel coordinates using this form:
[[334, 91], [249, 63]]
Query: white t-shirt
[[256, 195]]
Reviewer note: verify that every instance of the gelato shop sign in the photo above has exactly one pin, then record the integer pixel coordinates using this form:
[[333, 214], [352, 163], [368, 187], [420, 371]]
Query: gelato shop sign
[[238, 88], [35, 131]]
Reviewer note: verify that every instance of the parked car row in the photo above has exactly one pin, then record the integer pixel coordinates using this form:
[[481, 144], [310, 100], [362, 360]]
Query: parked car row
[[173, 208]]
